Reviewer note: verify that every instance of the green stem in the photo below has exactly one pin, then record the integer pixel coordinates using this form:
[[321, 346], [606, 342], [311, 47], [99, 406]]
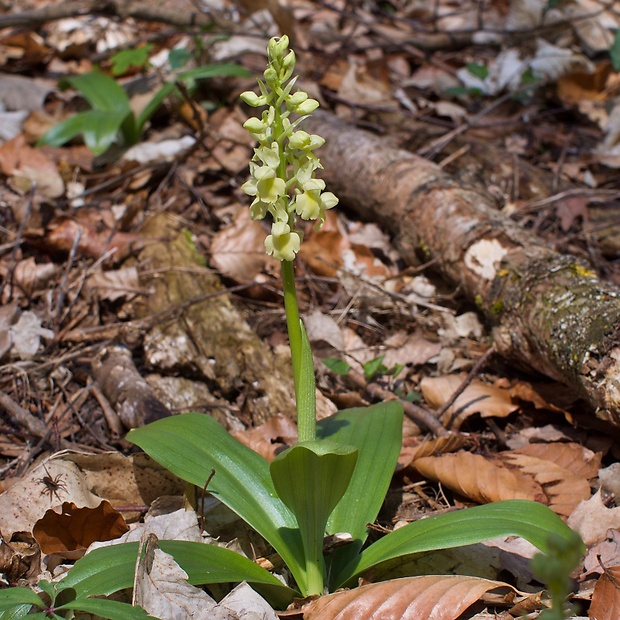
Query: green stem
[[292, 323]]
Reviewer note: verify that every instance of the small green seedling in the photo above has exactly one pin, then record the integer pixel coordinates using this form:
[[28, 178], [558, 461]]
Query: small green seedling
[[111, 119]]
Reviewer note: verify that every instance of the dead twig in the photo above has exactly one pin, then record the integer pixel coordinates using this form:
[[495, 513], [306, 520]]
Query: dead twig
[[19, 415]]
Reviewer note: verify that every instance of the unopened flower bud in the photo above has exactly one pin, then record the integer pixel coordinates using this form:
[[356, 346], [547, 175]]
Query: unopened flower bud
[[253, 99], [307, 107], [297, 98], [271, 76], [255, 125]]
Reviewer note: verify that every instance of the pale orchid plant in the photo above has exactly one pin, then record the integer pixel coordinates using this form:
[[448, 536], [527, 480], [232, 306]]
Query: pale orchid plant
[[334, 480]]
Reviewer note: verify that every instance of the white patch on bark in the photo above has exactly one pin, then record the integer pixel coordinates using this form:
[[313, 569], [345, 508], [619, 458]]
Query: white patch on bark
[[483, 257]]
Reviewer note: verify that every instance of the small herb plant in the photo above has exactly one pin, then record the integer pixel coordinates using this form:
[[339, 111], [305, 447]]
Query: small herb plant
[[111, 118], [334, 480]]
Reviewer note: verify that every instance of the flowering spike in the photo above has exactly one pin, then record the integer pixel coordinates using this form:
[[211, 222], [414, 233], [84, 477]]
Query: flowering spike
[[284, 159]]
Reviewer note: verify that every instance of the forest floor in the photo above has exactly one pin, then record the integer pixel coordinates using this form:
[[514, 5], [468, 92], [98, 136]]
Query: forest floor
[[134, 284]]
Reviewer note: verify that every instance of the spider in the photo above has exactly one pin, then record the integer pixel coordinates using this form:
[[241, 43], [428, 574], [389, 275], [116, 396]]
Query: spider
[[52, 484]]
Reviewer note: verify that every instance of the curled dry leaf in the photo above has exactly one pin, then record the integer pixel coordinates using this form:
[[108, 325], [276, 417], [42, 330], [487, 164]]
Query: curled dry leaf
[[115, 284], [162, 589], [93, 236], [606, 597], [478, 397], [564, 489], [592, 519], [27, 167], [478, 478], [271, 437], [440, 597], [238, 251], [430, 447], [575, 458], [68, 530]]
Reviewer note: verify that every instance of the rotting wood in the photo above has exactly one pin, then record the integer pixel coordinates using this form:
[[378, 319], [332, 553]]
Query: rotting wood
[[209, 341], [548, 311], [121, 383]]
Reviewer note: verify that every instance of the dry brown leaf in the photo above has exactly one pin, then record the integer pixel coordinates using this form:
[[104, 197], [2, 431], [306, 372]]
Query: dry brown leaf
[[74, 529], [592, 519], [605, 553], [430, 447], [271, 437], [27, 167], [564, 489], [115, 284], [478, 478], [238, 250], [95, 237], [571, 456], [412, 349], [436, 597], [606, 597], [478, 397]]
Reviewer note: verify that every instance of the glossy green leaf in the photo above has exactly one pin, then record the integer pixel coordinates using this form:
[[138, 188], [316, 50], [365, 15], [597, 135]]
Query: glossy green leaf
[[103, 571], [63, 132], [100, 129], [311, 478], [101, 91], [16, 612], [190, 445], [110, 569], [374, 367], [207, 71], [206, 564], [114, 610], [376, 432], [527, 519], [210, 71], [13, 597], [127, 59], [614, 51], [306, 395], [336, 365]]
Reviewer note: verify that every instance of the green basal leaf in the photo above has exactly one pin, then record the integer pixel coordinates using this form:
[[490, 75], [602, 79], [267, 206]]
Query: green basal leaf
[[178, 58], [373, 367], [527, 519], [100, 129], [480, 71], [127, 59], [110, 569], [614, 51], [206, 564], [311, 478], [63, 132], [376, 432], [114, 610], [154, 103], [101, 91], [306, 397], [14, 597], [191, 444], [338, 366], [103, 571], [17, 612], [208, 71]]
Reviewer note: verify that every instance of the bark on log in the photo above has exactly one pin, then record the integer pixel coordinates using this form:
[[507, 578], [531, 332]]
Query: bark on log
[[548, 311]]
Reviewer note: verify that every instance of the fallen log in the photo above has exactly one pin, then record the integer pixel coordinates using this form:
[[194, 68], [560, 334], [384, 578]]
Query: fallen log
[[548, 311]]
